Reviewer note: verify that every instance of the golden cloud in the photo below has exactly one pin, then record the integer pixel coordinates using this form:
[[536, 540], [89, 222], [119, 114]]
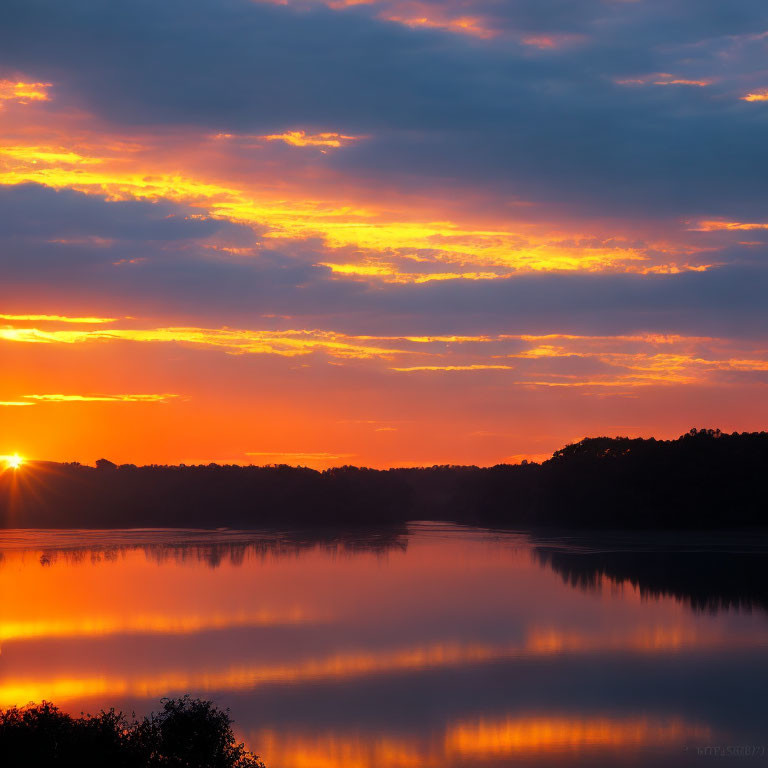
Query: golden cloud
[[384, 239], [717, 225], [304, 139], [288, 343], [17, 90], [473, 367], [761, 95], [58, 319], [101, 398], [622, 361]]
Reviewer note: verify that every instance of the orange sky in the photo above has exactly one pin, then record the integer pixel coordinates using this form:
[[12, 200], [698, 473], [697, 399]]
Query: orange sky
[[215, 288], [80, 391]]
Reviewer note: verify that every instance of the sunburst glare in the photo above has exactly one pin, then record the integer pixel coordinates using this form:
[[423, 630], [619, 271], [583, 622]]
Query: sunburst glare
[[14, 461]]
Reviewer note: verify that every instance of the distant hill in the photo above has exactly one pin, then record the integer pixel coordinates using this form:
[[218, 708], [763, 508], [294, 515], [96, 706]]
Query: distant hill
[[703, 479]]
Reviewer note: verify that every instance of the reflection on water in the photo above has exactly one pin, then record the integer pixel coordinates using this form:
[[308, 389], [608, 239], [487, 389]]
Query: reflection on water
[[422, 646], [709, 572], [209, 547], [541, 737]]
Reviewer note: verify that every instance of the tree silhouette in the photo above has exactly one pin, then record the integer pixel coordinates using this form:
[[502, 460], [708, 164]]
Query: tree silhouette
[[186, 733], [705, 478]]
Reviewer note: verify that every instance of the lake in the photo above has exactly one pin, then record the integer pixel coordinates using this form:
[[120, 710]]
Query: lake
[[421, 645]]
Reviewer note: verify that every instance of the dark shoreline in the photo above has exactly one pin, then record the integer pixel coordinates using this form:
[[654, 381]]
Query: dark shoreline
[[704, 480]]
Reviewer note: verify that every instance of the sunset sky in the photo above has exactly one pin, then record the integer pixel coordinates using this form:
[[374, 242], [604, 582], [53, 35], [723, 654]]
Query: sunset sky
[[379, 232]]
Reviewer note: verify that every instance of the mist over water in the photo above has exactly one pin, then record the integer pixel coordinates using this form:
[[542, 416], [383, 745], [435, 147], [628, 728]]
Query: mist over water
[[420, 645]]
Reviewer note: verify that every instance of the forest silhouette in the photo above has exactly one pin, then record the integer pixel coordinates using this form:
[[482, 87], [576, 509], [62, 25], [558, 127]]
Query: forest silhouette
[[703, 479], [186, 733]]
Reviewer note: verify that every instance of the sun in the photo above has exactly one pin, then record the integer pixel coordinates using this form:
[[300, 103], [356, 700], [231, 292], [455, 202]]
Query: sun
[[14, 462]]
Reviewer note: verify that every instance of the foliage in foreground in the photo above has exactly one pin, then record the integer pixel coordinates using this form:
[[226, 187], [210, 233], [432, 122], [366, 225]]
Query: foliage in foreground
[[186, 733]]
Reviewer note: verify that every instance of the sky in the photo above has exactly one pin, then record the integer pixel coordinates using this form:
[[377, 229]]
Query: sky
[[379, 232]]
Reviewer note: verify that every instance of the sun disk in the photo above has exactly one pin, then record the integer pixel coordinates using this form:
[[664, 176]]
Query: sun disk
[[14, 462]]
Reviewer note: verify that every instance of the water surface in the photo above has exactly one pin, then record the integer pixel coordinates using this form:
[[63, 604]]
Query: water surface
[[426, 645]]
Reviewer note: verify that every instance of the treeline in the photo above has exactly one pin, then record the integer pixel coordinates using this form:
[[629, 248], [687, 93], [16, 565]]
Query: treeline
[[703, 479]]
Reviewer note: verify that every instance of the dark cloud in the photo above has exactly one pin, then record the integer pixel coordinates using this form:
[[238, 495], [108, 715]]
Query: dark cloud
[[32, 210], [725, 302], [550, 126], [158, 266], [134, 256]]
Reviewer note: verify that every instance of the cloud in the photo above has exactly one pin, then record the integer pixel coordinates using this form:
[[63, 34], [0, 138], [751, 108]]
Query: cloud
[[58, 398], [290, 343], [662, 78], [723, 302], [39, 212], [473, 367], [713, 226], [545, 360], [58, 319], [303, 139], [549, 126], [18, 90], [756, 96], [153, 260], [398, 246]]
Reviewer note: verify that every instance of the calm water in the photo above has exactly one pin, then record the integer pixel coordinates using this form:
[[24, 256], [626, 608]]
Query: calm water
[[421, 646]]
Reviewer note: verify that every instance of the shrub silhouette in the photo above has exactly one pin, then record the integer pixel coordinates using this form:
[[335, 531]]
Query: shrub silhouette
[[186, 733]]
